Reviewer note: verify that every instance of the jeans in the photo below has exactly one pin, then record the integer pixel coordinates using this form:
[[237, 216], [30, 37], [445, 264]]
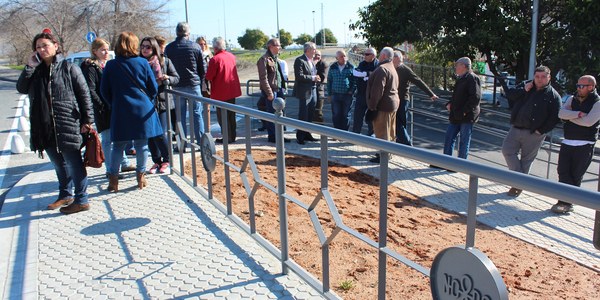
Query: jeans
[[402, 135], [141, 155], [340, 107], [465, 130], [159, 145], [107, 149], [197, 113], [269, 108], [71, 173], [360, 108]]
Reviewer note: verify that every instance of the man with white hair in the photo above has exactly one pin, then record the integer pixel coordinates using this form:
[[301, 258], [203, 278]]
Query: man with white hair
[[406, 76], [305, 89], [223, 76], [340, 86], [581, 114], [361, 74], [382, 97], [187, 59]]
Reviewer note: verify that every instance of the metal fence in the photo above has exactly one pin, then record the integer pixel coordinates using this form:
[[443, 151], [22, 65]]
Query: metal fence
[[474, 170]]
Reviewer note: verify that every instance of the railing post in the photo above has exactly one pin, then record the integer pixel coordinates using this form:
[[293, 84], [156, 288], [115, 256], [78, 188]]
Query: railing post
[[193, 139], [445, 79], [324, 185], [383, 203], [494, 95], [225, 136], [412, 117], [472, 211], [596, 239], [278, 105]]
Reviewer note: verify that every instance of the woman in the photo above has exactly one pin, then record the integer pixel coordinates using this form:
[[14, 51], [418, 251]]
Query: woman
[[129, 87], [166, 75], [92, 69], [206, 56], [58, 119]]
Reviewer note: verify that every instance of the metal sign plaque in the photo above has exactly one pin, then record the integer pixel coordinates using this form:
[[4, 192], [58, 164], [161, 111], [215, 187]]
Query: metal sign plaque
[[459, 273], [207, 152]]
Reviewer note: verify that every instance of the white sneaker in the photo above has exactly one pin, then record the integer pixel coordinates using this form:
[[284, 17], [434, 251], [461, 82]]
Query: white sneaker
[[153, 169]]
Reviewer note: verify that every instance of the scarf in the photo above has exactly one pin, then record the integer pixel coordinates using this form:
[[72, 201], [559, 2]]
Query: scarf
[[155, 66], [42, 132]]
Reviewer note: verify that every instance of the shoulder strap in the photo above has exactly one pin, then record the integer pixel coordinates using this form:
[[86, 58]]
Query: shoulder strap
[[133, 80]]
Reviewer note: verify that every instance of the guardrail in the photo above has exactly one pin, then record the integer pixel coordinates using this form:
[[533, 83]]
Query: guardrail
[[474, 170]]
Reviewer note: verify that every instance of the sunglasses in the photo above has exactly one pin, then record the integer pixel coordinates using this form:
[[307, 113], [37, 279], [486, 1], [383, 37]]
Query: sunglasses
[[368, 54], [146, 47], [580, 86]]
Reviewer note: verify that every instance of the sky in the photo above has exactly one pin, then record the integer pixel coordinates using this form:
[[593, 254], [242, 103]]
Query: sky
[[231, 18]]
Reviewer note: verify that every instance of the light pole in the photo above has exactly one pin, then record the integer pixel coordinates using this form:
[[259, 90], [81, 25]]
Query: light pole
[[186, 12], [534, 29], [277, 7], [314, 31]]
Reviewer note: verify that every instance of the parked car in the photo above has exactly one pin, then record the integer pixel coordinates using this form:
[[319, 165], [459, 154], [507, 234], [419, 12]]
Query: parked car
[[78, 57], [511, 82]]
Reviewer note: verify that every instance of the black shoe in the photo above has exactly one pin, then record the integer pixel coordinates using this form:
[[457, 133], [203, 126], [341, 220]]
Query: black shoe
[[262, 129], [300, 142], [272, 140], [219, 141], [562, 207], [375, 159], [310, 138]]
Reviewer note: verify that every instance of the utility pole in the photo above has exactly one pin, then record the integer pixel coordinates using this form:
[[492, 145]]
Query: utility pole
[[322, 27], [277, 7], [534, 30], [186, 12], [225, 25], [314, 30]]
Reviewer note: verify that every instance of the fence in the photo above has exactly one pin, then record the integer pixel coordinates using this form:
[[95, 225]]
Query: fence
[[474, 170]]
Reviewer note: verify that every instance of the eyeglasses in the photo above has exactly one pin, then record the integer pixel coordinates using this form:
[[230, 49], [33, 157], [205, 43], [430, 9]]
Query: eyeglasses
[[368, 54], [317, 55], [580, 86], [146, 47]]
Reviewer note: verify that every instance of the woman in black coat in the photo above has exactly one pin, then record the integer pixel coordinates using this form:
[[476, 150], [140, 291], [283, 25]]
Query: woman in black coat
[[60, 111]]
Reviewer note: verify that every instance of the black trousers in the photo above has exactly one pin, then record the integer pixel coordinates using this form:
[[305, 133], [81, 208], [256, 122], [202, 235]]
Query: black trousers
[[231, 122], [573, 161]]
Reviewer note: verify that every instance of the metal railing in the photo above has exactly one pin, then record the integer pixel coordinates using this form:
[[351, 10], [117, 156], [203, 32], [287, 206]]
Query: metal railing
[[474, 170]]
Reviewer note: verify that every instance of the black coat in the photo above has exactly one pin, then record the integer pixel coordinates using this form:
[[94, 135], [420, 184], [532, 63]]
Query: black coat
[[93, 74], [169, 69], [71, 105], [186, 56], [466, 98], [544, 116]]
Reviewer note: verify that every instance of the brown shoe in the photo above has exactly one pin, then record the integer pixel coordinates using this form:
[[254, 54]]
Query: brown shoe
[[128, 168], [141, 180], [113, 183], [74, 208], [514, 192], [59, 203]]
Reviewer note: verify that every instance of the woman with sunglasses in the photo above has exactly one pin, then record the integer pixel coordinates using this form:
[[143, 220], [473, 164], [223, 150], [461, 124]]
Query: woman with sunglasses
[[61, 110], [166, 75]]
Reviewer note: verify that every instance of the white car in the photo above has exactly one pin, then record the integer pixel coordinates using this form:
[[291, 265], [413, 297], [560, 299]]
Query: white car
[[78, 57]]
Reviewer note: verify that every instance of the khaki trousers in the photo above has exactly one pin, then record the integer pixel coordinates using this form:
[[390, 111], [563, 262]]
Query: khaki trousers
[[384, 125]]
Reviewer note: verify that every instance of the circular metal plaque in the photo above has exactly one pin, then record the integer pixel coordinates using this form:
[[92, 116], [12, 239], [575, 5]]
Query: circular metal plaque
[[459, 273], [207, 152]]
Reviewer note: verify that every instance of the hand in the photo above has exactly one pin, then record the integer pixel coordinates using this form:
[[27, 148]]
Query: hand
[[434, 97], [448, 106], [317, 79], [581, 114], [528, 86], [33, 61], [538, 132], [85, 128], [270, 97]]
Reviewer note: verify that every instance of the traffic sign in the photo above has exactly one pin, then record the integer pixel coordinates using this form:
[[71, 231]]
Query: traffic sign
[[90, 36]]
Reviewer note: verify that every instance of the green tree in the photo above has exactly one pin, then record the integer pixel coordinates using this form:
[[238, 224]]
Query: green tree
[[329, 37], [303, 38], [499, 29], [253, 39], [285, 38]]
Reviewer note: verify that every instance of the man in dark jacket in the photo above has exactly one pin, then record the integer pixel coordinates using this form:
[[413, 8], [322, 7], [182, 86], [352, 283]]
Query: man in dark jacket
[[305, 89], [534, 113], [581, 114], [406, 76], [186, 56], [361, 74], [463, 107]]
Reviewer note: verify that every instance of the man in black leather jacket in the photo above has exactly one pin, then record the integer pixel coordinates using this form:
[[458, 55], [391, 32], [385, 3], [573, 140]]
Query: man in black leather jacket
[[534, 113]]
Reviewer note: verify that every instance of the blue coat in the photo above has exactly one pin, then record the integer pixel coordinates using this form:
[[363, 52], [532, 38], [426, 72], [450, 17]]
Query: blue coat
[[133, 115]]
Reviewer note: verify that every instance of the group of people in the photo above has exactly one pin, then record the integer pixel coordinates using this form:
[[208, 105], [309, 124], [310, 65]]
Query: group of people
[[123, 99]]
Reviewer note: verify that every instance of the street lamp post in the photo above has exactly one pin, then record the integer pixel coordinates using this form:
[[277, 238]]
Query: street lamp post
[[277, 8], [314, 30], [186, 12]]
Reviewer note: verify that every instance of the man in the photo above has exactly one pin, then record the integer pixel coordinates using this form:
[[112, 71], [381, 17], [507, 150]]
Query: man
[[535, 107], [340, 86], [271, 80], [361, 74], [463, 107], [187, 59], [581, 114], [225, 83], [305, 89], [406, 76], [382, 97], [322, 69]]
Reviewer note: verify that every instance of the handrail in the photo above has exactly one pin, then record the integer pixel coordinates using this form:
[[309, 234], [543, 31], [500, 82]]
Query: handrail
[[475, 171]]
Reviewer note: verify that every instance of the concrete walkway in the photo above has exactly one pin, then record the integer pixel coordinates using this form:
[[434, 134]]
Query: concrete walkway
[[162, 242]]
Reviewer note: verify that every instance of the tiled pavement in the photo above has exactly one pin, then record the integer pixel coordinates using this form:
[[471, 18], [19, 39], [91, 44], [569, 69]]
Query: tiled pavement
[[162, 242]]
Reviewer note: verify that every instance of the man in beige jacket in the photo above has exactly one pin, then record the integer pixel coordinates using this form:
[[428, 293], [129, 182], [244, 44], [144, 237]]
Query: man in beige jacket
[[382, 98]]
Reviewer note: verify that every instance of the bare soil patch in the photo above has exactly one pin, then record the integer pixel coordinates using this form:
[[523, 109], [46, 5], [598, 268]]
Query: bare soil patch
[[417, 230]]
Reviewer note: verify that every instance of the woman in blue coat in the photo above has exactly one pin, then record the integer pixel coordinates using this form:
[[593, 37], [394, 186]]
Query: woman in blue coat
[[130, 88]]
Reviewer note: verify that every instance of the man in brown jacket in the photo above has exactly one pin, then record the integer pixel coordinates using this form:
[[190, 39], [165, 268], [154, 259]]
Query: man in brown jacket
[[382, 97], [271, 82]]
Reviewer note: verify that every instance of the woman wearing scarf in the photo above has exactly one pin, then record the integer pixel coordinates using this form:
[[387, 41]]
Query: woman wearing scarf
[[60, 111]]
